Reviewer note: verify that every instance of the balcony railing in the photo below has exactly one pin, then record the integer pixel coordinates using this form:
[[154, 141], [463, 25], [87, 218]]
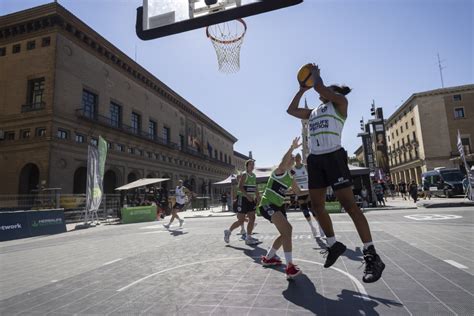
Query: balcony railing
[[108, 122], [37, 106]]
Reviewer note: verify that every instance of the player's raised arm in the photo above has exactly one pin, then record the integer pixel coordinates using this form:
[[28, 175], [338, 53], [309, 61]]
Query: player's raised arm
[[334, 94], [295, 110], [288, 155]]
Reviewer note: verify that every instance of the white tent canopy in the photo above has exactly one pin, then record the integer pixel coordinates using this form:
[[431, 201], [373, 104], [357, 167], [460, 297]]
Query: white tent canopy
[[141, 183], [263, 174], [227, 180]]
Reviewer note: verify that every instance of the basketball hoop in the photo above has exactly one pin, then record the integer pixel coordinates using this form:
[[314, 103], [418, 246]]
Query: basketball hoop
[[227, 39]]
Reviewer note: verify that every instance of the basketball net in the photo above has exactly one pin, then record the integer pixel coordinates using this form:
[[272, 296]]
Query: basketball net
[[227, 39]]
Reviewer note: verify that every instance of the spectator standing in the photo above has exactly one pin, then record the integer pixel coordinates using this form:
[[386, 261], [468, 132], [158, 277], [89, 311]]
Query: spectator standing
[[426, 189], [378, 189], [403, 189], [224, 201], [414, 190], [364, 194]]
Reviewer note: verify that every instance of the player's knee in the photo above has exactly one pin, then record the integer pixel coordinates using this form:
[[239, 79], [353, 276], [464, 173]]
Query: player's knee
[[318, 208]]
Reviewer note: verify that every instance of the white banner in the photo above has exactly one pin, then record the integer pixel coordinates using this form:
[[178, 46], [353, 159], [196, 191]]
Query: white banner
[[470, 190], [95, 174]]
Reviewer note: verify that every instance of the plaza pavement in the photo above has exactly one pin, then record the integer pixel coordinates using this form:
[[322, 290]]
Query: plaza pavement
[[144, 269]]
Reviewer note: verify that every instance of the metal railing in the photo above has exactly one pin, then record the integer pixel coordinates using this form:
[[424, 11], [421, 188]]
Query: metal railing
[[108, 122], [73, 204]]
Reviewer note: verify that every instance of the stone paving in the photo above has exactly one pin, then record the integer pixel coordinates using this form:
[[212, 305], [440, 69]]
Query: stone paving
[[144, 269]]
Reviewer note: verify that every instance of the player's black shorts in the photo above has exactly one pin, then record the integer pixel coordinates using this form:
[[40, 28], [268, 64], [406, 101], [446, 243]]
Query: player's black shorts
[[178, 206], [244, 206], [329, 170], [268, 210]]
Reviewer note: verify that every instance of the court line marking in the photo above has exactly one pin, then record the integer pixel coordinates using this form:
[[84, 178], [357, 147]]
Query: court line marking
[[110, 262], [456, 264], [386, 284], [154, 232], [428, 267], [357, 283], [417, 282]]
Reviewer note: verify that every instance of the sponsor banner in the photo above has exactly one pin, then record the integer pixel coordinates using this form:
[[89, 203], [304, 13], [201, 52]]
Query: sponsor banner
[[23, 224], [46, 222], [470, 185], [381, 153], [13, 225], [138, 214], [368, 152]]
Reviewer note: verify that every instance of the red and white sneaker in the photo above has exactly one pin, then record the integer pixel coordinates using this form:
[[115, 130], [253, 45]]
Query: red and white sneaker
[[292, 271], [273, 261]]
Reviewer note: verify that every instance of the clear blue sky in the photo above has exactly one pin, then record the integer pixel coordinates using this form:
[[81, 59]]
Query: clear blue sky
[[384, 49]]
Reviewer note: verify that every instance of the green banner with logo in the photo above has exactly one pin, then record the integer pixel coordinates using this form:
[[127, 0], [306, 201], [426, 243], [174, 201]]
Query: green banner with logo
[[138, 214]]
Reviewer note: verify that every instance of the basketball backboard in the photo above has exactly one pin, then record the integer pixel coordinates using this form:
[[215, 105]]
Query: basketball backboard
[[158, 18]]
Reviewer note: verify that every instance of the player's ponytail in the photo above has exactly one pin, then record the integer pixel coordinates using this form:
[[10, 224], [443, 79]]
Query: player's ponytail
[[344, 90]]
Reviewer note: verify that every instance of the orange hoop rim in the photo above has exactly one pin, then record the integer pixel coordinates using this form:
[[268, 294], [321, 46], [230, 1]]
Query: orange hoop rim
[[230, 41]]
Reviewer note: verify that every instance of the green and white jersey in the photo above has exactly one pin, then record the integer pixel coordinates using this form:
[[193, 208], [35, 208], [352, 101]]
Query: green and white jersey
[[301, 176], [324, 129], [276, 188], [250, 184]]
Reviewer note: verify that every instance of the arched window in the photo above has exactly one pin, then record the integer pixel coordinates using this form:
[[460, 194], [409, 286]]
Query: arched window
[[110, 182], [80, 181], [29, 179]]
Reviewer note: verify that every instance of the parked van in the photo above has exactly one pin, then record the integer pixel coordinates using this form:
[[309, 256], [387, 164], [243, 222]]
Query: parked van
[[444, 181]]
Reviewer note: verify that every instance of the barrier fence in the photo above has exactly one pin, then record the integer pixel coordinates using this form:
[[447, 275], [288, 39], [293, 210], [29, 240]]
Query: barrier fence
[[73, 204]]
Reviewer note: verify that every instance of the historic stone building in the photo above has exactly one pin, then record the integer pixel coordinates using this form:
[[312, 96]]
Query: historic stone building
[[422, 132], [239, 161], [62, 85]]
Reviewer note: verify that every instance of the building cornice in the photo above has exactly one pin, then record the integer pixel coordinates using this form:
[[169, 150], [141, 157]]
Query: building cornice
[[443, 91], [53, 15], [242, 156]]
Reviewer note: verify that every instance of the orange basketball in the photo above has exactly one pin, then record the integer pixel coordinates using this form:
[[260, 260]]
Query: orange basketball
[[304, 76]]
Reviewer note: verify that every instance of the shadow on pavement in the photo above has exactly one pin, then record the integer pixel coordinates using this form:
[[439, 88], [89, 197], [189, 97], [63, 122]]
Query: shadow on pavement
[[355, 255], [255, 252], [177, 232], [302, 292]]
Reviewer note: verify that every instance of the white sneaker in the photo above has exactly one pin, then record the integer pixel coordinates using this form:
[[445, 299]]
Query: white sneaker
[[166, 226], [226, 235], [181, 222], [251, 241]]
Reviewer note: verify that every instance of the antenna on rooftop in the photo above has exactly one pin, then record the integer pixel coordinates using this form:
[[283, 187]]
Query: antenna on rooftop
[[441, 70]]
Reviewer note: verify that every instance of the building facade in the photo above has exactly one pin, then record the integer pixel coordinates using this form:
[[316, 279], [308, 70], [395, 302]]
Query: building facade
[[239, 161], [359, 156], [63, 85], [422, 132]]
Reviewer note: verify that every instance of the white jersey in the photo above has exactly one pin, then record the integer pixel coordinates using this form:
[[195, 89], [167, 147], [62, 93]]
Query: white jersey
[[301, 177], [180, 195], [324, 129]]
